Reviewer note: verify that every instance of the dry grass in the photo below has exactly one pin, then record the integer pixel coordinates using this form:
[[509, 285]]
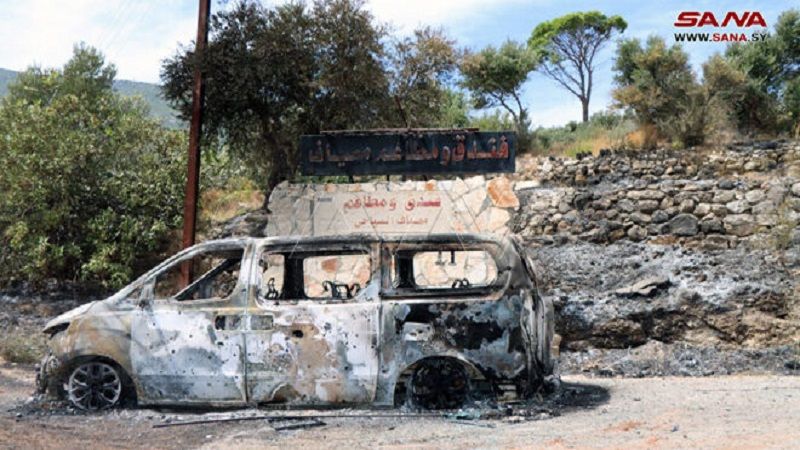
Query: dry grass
[[220, 205], [18, 345]]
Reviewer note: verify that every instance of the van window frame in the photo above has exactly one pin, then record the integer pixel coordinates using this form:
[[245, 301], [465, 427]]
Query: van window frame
[[391, 292], [294, 286], [150, 279]]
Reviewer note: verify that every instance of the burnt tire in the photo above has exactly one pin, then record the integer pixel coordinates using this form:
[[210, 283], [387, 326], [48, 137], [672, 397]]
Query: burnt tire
[[439, 383], [94, 386]]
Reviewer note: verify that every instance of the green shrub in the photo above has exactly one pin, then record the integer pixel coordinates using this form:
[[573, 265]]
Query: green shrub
[[90, 183], [604, 130]]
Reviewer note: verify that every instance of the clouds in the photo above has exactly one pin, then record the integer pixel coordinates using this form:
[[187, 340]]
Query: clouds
[[134, 34], [408, 15], [137, 35]]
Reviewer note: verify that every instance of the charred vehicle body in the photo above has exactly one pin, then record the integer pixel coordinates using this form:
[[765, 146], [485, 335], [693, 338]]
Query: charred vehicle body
[[432, 321]]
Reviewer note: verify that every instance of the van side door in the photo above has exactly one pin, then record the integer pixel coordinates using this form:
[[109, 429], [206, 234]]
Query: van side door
[[313, 325]]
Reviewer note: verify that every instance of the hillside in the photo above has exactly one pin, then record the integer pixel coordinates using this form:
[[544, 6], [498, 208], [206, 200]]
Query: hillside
[[150, 92]]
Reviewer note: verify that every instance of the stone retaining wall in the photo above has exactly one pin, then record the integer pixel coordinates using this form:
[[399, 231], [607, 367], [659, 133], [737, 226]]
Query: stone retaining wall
[[715, 198]]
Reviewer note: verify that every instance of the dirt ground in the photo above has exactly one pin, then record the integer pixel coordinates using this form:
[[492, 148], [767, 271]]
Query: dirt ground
[[738, 411]]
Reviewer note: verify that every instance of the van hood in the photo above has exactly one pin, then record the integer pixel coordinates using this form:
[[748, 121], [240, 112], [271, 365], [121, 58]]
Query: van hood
[[69, 316]]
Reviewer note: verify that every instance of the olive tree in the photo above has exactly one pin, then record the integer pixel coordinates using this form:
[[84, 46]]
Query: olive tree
[[494, 78]]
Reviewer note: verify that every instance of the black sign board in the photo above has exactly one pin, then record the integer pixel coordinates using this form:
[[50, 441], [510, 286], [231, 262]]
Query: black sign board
[[408, 152]]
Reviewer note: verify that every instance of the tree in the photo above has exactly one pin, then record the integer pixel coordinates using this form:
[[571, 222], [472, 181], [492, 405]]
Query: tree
[[420, 69], [495, 77], [273, 74], [91, 185], [566, 47], [772, 68], [657, 83], [738, 102]]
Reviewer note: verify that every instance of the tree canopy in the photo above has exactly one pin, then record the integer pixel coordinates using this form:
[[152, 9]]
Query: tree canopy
[[566, 47], [274, 73], [495, 76]]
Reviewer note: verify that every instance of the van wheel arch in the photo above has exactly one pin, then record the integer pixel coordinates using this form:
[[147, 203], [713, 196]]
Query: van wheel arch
[[129, 389], [460, 380]]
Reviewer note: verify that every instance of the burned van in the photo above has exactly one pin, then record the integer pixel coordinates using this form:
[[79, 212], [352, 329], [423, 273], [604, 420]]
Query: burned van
[[432, 321]]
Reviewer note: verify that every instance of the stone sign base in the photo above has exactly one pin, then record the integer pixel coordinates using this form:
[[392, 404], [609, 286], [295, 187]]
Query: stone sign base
[[460, 205]]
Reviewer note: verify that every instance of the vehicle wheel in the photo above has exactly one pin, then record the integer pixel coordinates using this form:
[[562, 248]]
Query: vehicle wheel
[[93, 386], [439, 383]]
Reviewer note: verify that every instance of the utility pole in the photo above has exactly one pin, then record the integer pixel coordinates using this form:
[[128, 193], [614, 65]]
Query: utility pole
[[193, 174]]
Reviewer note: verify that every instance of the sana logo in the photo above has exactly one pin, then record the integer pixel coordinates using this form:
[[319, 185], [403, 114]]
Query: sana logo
[[707, 18]]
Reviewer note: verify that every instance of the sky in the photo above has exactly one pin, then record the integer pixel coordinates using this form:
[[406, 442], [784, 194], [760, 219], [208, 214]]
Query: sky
[[136, 35]]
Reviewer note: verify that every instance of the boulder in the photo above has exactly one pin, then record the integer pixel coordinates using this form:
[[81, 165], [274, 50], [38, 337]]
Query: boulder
[[738, 206], [755, 196], [502, 195], [724, 196], [683, 225], [637, 233], [739, 224], [712, 226], [726, 184], [660, 216], [687, 206], [648, 206], [702, 209]]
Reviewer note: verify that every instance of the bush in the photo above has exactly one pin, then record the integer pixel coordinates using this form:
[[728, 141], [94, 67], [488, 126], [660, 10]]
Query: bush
[[604, 130], [90, 183], [656, 82]]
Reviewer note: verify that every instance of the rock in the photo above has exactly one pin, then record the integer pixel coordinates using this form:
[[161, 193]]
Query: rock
[[660, 216], [739, 224], [501, 193], [755, 196], [648, 206], [618, 333], [686, 206], [724, 196], [637, 233], [719, 210], [603, 203], [716, 242], [639, 218], [702, 209], [526, 184], [645, 287], [647, 194], [738, 206], [626, 205], [712, 226], [764, 207], [726, 184], [796, 189], [582, 199], [752, 166], [683, 225]]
